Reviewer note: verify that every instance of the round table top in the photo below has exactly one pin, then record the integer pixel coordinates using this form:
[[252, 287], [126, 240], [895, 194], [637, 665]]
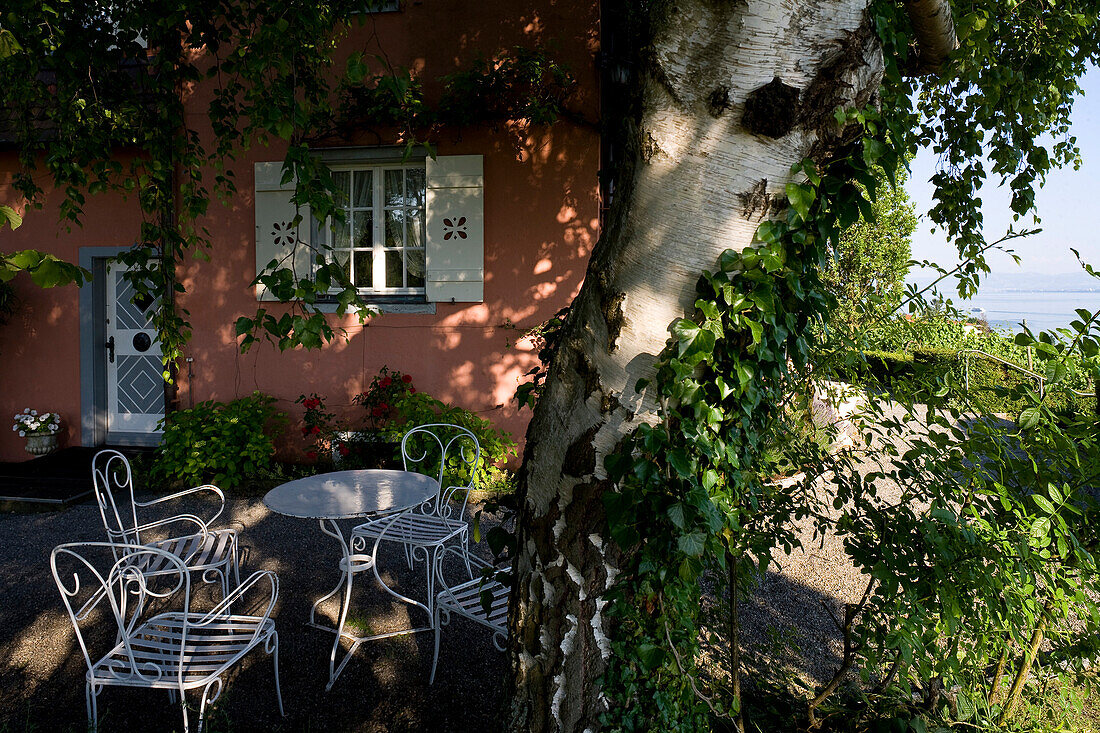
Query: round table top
[[351, 494]]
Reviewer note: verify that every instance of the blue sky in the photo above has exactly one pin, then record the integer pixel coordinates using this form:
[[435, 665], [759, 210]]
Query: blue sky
[[1069, 205]]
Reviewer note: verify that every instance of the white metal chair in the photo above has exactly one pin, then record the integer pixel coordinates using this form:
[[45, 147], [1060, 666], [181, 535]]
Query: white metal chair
[[176, 650], [428, 529], [469, 599], [213, 553]]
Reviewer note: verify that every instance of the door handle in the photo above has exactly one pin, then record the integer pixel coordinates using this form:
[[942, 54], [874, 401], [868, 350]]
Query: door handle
[[110, 349]]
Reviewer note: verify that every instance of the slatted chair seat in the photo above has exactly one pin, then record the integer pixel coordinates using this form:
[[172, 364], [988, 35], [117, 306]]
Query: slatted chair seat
[[213, 553], [466, 600], [411, 528], [210, 649], [214, 549]]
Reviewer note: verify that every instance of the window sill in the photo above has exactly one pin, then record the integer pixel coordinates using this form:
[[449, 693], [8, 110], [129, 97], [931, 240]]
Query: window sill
[[388, 304]]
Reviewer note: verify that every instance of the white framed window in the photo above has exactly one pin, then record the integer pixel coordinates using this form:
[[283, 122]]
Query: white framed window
[[413, 232], [381, 243]]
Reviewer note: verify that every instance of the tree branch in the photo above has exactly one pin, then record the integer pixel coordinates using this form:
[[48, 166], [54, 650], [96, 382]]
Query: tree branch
[[935, 32]]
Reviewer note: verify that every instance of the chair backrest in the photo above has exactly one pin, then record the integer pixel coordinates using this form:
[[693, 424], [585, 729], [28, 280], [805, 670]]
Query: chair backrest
[[450, 453], [114, 493], [122, 581]]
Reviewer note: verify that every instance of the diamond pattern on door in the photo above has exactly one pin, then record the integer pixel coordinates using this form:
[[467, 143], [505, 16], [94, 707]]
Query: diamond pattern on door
[[129, 315], [140, 387]]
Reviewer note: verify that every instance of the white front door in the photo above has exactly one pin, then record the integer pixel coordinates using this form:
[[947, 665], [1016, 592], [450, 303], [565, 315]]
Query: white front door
[[135, 382]]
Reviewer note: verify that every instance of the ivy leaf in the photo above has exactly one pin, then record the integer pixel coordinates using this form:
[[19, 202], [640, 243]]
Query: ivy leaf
[[651, 656], [800, 197], [681, 462], [692, 544]]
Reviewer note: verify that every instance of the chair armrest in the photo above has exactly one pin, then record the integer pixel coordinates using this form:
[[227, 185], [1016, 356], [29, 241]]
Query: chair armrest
[[222, 610], [200, 525], [449, 496], [187, 492]]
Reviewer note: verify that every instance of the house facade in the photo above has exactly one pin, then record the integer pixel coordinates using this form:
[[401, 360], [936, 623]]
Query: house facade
[[462, 253]]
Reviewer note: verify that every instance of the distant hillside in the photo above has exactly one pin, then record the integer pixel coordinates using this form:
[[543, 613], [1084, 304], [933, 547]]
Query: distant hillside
[[1014, 282]]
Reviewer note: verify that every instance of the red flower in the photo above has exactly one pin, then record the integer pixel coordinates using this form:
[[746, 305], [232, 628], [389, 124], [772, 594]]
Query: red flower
[[385, 382], [343, 450], [315, 429], [306, 430], [311, 403], [311, 455], [412, 390], [406, 379], [383, 407], [377, 412]]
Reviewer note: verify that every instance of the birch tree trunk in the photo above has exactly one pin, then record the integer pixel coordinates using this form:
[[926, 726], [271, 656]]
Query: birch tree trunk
[[720, 99]]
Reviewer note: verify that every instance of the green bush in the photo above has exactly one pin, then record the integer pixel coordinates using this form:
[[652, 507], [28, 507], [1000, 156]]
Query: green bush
[[221, 443], [417, 408]]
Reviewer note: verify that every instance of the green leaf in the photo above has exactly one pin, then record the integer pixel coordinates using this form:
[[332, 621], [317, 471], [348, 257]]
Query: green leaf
[[7, 213], [1029, 417], [651, 656], [1043, 503], [692, 544], [800, 197]]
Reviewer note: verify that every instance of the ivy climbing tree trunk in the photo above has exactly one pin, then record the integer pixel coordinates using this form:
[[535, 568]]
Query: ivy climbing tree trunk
[[719, 101]]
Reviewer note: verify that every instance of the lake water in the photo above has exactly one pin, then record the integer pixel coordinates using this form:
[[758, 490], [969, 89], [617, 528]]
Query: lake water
[[1044, 310]]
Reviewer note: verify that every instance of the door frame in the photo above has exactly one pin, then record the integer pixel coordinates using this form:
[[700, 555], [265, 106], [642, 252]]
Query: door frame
[[94, 429]]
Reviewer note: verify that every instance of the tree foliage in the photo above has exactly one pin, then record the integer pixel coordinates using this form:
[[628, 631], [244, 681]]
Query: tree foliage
[[867, 271]]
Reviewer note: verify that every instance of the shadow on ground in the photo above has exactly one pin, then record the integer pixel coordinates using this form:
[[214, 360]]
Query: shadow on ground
[[384, 687]]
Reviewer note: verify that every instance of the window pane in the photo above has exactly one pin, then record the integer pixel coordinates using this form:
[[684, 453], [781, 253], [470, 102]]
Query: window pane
[[343, 258], [415, 260], [364, 268], [395, 225], [395, 191], [414, 180], [343, 187], [364, 189], [416, 228], [364, 228], [341, 235], [395, 270]]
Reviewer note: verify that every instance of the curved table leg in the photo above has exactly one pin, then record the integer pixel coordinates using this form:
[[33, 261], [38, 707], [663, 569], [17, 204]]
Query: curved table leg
[[351, 563]]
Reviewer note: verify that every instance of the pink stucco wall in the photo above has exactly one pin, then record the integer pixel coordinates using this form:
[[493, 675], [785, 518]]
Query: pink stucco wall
[[541, 210]]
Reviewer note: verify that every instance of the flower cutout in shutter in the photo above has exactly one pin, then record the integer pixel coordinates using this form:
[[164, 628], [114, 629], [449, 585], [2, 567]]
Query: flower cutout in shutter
[[453, 228], [283, 233]]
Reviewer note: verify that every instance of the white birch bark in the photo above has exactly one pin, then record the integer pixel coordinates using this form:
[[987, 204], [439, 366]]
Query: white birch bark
[[693, 183]]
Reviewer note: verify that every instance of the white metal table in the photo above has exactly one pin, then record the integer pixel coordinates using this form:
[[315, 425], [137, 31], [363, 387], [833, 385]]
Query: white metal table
[[329, 497]]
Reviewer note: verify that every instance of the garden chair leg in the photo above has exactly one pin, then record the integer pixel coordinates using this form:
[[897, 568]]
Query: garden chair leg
[[278, 689], [435, 653]]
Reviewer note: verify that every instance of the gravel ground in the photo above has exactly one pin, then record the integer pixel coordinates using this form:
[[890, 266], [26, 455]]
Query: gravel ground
[[384, 687]]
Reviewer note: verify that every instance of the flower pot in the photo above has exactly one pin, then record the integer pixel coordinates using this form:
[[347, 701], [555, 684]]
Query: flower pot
[[39, 444]]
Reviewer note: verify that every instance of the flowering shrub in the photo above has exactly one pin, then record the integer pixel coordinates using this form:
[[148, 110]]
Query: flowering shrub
[[379, 399], [317, 424], [29, 422], [392, 406]]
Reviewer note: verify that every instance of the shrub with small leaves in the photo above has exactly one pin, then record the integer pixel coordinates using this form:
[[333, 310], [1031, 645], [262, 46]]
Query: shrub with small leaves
[[218, 442]]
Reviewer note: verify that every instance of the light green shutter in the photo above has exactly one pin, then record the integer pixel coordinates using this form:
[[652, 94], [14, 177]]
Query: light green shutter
[[276, 237], [455, 256]]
